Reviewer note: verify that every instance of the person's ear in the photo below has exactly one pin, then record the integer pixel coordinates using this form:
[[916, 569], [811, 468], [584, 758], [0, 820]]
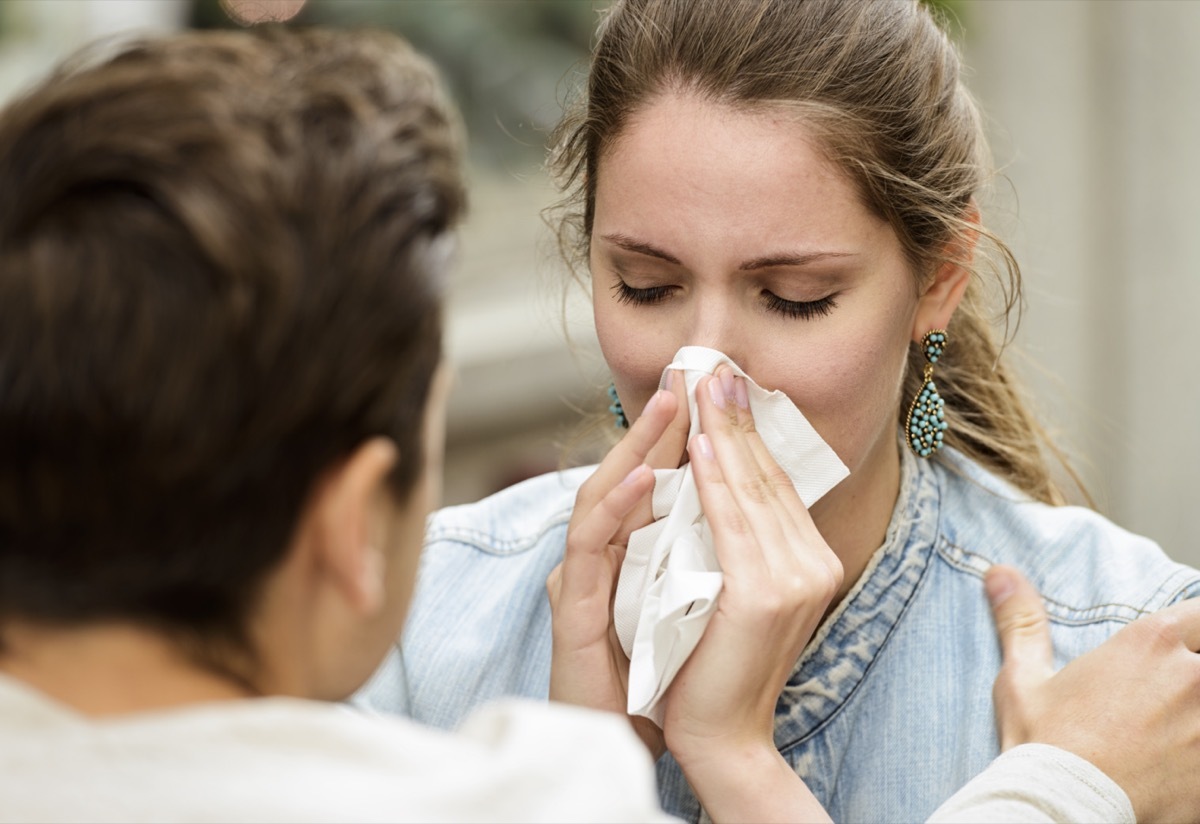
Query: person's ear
[[945, 291], [346, 516]]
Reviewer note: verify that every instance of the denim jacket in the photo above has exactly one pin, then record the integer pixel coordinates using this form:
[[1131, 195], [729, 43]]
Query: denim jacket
[[888, 711]]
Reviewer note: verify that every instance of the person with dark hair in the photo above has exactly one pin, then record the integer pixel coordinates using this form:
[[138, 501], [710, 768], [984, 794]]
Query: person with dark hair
[[221, 410]]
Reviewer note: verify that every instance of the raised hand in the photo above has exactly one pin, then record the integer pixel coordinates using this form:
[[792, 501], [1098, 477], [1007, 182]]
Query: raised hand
[[588, 666], [779, 578], [1131, 706]]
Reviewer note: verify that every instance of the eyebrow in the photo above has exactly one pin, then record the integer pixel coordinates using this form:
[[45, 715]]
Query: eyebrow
[[640, 247], [791, 260]]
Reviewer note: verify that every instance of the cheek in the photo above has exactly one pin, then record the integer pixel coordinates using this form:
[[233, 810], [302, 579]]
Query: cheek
[[847, 389], [636, 354]]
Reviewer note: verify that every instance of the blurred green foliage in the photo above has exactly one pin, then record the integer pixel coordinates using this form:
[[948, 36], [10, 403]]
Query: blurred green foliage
[[952, 14]]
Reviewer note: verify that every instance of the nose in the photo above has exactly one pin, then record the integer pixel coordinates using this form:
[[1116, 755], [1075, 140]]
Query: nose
[[716, 325]]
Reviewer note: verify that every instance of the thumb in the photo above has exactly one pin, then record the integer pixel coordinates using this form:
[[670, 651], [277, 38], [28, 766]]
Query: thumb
[[1024, 634], [554, 585], [1021, 625]]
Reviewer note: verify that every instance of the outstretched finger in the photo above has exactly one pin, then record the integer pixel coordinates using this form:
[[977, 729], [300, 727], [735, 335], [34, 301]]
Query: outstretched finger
[[668, 452], [790, 508], [1183, 619], [748, 485], [589, 537], [733, 534], [630, 452]]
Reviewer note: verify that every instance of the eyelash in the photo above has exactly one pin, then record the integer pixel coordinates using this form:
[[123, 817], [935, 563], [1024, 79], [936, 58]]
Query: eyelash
[[800, 310], [639, 297], [791, 309]]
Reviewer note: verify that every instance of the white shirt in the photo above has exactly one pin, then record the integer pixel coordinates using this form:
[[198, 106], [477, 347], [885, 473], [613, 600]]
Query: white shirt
[[1037, 784], [283, 759]]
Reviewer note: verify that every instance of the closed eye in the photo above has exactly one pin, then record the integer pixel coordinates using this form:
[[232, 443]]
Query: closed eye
[[625, 293], [799, 310]]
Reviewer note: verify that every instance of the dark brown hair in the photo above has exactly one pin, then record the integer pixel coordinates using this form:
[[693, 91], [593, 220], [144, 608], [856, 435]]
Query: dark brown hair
[[221, 257], [878, 84]]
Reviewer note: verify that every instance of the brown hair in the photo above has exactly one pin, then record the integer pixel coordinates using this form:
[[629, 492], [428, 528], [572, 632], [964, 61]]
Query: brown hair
[[221, 257], [878, 83]]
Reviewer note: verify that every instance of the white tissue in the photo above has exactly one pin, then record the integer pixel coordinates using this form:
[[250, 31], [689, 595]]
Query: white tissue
[[670, 580]]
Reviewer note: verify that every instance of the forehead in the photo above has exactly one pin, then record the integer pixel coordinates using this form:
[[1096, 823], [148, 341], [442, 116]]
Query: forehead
[[685, 165]]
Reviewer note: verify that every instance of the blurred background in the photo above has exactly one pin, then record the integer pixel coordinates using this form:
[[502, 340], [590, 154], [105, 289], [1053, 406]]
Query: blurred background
[[1094, 123]]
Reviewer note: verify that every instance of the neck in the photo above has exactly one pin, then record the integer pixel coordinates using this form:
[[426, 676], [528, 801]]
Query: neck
[[111, 669], [854, 516]]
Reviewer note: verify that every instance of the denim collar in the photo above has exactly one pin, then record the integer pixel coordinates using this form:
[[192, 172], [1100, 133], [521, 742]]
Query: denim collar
[[839, 656]]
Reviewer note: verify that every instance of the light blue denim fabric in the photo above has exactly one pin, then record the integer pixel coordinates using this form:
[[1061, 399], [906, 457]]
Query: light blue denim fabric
[[888, 711]]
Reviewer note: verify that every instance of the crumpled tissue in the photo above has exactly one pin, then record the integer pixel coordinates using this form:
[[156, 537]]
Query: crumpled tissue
[[670, 580]]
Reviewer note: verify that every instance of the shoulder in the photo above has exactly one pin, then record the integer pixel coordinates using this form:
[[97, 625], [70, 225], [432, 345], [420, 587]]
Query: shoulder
[[512, 520], [479, 624], [517, 533], [550, 762], [1086, 567], [284, 759], [520, 760], [569, 761]]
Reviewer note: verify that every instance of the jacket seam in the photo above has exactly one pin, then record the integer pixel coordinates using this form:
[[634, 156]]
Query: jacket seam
[[1058, 612], [491, 545], [1190, 588]]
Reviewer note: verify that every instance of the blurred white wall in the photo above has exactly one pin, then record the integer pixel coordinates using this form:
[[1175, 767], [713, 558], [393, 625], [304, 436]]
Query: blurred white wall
[[1095, 122], [38, 33]]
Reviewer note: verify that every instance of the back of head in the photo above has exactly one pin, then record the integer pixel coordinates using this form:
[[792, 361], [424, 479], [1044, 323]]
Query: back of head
[[878, 85], [220, 266]]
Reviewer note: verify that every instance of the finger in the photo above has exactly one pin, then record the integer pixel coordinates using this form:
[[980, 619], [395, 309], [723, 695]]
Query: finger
[[554, 585], [630, 452], [791, 507], [794, 552], [1021, 625], [589, 538], [669, 451], [740, 472], [666, 453], [1183, 620], [731, 529]]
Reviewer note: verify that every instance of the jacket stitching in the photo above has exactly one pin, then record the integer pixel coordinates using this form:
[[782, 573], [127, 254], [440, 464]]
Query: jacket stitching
[[1058, 612], [488, 543]]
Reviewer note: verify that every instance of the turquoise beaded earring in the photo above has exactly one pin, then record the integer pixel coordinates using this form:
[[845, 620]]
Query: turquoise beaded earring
[[618, 411], [926, 425]]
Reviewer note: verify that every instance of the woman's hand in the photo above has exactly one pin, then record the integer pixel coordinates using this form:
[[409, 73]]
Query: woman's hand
[[779, 578], [1131, 706], [588, 666]]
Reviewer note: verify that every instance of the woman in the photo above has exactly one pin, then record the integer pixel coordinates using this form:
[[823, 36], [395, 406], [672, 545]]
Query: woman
[[794, 184]]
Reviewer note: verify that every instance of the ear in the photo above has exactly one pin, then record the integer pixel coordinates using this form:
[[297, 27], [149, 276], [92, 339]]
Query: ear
[[943, 294], [344, 512]]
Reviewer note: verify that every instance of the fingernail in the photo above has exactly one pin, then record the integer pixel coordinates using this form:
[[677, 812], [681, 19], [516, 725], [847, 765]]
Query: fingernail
[[739, 393], [633, 476], [704, 446], [717, 393], [999, 586], [727, 382], [669, 380], [652, 402]]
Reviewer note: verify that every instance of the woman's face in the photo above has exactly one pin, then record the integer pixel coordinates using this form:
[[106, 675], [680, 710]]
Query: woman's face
[[727, 229]]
